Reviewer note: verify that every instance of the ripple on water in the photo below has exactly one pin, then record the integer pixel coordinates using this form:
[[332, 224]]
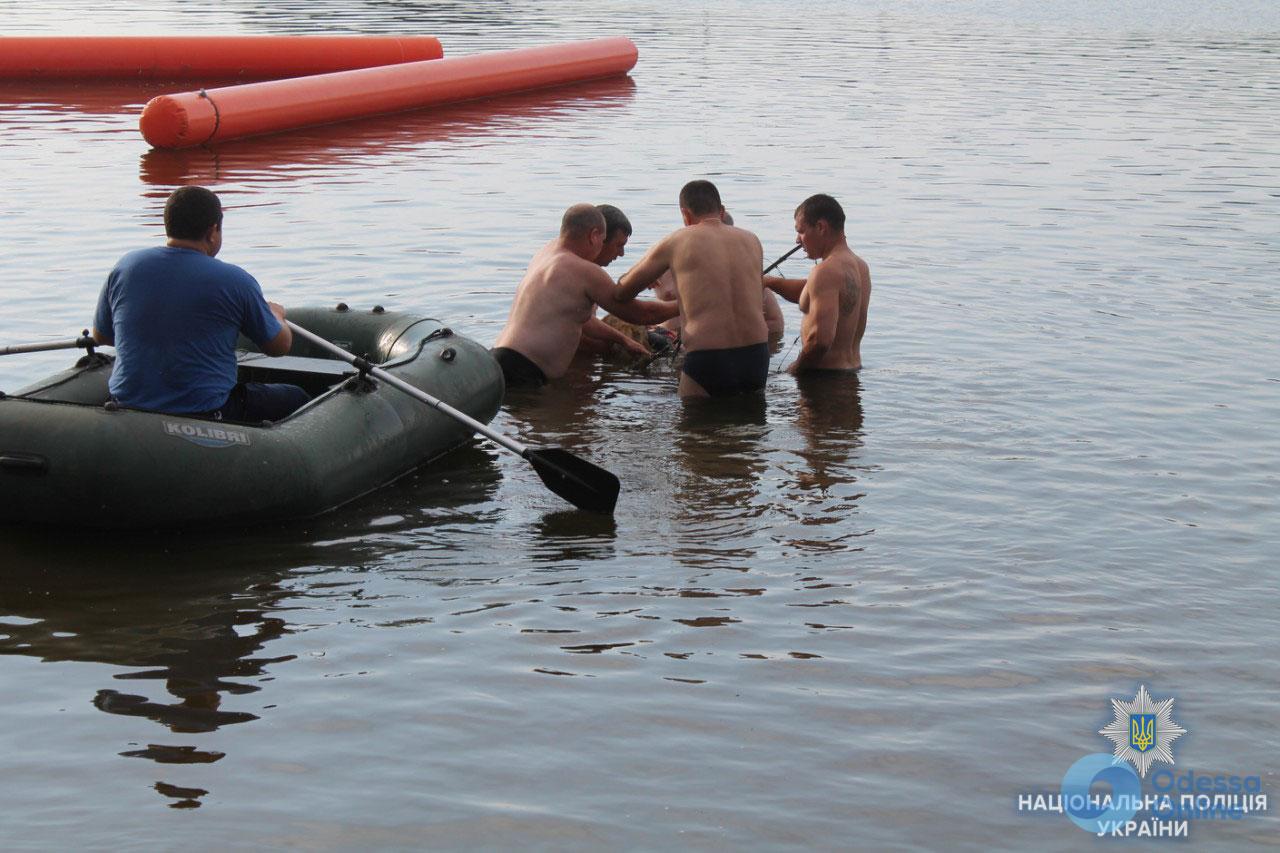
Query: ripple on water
[[1054, 480]]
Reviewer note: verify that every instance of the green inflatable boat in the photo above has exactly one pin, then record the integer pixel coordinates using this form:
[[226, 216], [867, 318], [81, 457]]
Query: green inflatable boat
[[69, 457]]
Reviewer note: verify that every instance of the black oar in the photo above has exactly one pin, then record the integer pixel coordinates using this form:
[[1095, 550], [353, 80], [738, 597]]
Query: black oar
[[773, 266], [82, 342], [777, 263], [582, 484], [676, 345]]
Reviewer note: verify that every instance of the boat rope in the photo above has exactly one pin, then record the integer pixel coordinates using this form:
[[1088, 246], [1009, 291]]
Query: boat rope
[[217, 117]]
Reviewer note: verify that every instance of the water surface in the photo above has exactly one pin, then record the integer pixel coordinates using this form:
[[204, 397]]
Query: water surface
[[846, 616]]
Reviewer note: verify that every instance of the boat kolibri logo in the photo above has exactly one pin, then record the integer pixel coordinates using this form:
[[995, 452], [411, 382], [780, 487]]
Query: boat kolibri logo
[[207, 436]]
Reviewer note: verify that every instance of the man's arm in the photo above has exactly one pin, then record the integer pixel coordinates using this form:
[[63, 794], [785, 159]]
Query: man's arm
[[773, 318], [650, 268], [103, 323], [788, 288], [620, 300], [590, 345], [822, 319], [280, 344], [597, 331], [643, 312]]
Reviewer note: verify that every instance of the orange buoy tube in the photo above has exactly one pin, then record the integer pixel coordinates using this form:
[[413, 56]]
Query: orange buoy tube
[[231, 112], [208, 57]]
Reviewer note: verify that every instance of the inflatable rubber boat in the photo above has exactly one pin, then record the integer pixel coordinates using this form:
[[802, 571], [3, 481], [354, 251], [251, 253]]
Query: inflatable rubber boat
[[70, 457]]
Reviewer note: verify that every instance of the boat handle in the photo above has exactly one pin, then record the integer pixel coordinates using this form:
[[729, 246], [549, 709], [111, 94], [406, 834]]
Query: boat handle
[[15, 461]]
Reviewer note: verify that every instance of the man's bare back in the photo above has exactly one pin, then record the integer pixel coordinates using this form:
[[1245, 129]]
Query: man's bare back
[[774, 321], [550, 306], [716, 268]]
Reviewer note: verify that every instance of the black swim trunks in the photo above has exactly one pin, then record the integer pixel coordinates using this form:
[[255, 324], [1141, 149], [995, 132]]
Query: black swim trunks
[[517, 369], [722, 372]]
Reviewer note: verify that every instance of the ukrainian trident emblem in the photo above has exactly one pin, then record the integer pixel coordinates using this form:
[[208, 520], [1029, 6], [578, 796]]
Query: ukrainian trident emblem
[[1143, 730]]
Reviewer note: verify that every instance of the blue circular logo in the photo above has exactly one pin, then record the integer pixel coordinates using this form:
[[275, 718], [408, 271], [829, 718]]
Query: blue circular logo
[[1087, 808]]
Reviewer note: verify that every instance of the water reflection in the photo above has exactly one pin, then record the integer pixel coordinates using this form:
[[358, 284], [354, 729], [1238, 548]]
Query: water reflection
[[829, 417], [191, 617], [718, 455], [190, 622], [718, 446], [572, 411], [305, 153], [574, 535], [823, 492], [88, 97], [419, 511]]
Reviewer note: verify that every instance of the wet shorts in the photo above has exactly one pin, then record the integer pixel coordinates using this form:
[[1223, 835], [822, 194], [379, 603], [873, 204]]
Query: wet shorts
[[517, 370], [739, 370]]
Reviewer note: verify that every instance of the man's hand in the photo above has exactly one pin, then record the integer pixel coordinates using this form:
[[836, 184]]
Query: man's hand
[[636, 348], [283, 341]]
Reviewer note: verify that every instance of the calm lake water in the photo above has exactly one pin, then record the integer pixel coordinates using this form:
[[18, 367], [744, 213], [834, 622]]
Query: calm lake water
[[851, 616]]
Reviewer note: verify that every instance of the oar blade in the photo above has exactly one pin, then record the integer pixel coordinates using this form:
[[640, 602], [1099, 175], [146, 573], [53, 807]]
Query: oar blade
[[582, 484]]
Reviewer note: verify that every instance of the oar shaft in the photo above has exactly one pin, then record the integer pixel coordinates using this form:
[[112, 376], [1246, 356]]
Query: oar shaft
[[773, 266], [81, 343], [417, 393]]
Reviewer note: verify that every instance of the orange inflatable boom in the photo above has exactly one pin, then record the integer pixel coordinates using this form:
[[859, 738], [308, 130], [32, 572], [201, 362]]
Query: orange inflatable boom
[[209, 57], [196, 118]]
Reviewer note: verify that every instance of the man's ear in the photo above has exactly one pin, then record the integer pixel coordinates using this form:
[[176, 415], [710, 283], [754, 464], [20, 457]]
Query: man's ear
[[686, 216]]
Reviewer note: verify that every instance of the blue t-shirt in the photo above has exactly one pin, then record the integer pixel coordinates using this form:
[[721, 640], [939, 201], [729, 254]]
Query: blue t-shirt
[[175, 315]]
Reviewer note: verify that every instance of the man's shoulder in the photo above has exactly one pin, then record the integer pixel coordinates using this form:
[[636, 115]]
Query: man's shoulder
[[840, 261], [567, 263], [134, 257], [831, 270], [227, 271]]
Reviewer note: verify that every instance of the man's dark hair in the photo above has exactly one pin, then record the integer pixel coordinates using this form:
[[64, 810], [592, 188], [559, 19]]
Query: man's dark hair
[[822, 206], [190, 212], [700, 198], [614, 221], [580, 219]]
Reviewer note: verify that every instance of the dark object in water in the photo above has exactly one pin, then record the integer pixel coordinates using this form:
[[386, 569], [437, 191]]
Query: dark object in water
[[67, 456]]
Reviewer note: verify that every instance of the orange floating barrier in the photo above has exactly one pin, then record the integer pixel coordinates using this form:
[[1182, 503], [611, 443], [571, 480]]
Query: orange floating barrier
[[208, 57], [231, 112], [333, 150]]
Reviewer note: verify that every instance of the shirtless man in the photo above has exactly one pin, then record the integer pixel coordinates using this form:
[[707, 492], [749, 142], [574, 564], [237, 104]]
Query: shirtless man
[[834, 297], [718, 288], [665, 288], [598, 337], [556, 297]]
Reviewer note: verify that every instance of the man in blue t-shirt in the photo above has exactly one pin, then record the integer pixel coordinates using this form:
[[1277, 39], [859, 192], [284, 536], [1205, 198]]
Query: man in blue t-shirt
[[174, 313]]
